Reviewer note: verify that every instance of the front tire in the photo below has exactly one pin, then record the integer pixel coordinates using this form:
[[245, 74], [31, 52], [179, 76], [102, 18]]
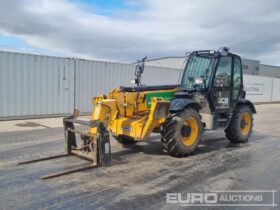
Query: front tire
[[182, 132], [241, 125]]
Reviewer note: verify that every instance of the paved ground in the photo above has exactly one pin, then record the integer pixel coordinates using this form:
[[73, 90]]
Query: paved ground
[[147, 172], [32, 124]]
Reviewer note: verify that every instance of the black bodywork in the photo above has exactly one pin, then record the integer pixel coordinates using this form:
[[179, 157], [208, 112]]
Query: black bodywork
[[205, 99]]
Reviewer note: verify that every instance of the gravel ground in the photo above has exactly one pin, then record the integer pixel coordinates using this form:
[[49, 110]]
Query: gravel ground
[[145, 173]]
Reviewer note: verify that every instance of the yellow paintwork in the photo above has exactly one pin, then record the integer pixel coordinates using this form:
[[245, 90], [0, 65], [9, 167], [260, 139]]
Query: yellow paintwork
[[192, 138], [126, 113], [104, 110], [246, 117]]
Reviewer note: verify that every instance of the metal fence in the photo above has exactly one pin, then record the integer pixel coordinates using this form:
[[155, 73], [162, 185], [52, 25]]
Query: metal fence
[[36, 85], [95, 77]]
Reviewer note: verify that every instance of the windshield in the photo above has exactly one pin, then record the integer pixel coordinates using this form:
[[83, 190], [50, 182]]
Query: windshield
[[197, 66]]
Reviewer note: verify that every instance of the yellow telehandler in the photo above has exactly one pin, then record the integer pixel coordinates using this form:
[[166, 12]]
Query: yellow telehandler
[[210, 96]]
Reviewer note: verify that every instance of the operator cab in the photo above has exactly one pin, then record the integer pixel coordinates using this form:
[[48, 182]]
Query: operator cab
[[214, 80]]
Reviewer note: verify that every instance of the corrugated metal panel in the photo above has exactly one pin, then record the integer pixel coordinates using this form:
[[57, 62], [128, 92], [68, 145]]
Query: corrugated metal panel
[[34, 85], [95, 77], [161, 76]]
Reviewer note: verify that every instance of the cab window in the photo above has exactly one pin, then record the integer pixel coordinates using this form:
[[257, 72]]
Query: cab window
[[223, 73], [236, 77]]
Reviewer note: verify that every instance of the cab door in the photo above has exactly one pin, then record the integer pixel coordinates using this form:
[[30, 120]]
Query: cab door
[[222, 91], [237, 80]]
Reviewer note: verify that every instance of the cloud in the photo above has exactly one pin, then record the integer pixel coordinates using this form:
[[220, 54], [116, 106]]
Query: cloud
[[156, 28]]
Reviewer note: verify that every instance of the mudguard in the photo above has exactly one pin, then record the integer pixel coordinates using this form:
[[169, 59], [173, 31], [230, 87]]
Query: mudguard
[[249, 103], [179, 104]]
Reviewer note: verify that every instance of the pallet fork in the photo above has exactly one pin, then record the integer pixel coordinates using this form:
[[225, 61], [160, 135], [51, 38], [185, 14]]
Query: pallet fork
[[95, 148]]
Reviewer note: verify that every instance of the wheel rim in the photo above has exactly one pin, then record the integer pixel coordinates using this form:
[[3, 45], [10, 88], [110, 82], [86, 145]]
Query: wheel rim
[[245, 123], [189, 136]]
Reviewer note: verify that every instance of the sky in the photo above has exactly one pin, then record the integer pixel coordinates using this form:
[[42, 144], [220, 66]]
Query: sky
[[126, 30]]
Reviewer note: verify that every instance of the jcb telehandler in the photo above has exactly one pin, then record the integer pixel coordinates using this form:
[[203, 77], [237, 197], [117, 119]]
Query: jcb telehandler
[[210, 96]]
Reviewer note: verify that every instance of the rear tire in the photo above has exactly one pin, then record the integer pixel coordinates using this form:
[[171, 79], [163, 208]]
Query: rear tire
[[124, 139], [181, 132], [241, 125]]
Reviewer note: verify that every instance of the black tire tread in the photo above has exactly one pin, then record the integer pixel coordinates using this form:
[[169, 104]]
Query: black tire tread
[[233, 130], [170, 140]]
